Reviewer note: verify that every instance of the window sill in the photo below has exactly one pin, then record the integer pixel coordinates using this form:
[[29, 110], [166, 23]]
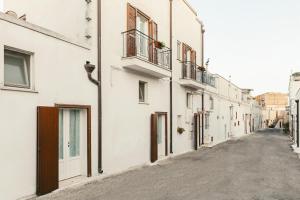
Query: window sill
[[13, 89], [144, 103]]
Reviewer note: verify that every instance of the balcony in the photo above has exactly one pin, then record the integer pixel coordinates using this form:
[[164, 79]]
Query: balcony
[[192, 76], [143, 54], [209, 79]]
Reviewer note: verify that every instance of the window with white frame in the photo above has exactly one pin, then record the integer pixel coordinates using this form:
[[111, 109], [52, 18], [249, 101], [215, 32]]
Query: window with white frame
[[189, 100], [206, 121], [17, 67], [143, 92]]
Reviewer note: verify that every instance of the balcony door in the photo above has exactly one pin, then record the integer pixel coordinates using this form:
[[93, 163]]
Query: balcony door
[[142, 26]]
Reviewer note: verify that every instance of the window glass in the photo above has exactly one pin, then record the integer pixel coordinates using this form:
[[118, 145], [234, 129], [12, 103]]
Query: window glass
[[16, 69], [178, 50], [61, 135], [74, 133], [142, 92], [206, 121], [211, 103]]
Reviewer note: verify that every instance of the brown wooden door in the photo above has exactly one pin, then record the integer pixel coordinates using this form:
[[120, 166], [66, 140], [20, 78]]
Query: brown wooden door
[[154, 146], [196, 131], [131, 28], [47, 149]]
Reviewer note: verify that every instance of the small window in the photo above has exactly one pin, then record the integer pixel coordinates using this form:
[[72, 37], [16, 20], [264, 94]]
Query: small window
[[206, 121], [142, 92], [189, 100], [211, 100], [16, 69], [236, 114], [178, 50]]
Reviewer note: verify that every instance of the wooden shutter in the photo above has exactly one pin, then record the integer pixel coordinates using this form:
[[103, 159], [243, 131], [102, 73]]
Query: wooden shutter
[[131, 28], [153, 33], [184, 59], [151, 42], [196, 131], [154, 146], [193, 64], [47, 149]]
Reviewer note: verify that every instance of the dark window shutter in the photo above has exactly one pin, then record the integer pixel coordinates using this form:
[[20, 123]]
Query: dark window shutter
[[196, 125], [154, 147], [47, 149], [131, 28]]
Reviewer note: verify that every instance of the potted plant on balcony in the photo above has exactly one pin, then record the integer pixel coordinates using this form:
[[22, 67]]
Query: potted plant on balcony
[[159, 45], [180, 130]]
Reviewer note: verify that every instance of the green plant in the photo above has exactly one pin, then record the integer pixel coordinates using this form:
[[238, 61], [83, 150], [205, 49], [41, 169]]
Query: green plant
[[159, 44], [180, 130]]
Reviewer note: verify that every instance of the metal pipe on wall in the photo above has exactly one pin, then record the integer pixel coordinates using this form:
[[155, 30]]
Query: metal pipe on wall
[[171, 79], [297, 102], [99, 37]]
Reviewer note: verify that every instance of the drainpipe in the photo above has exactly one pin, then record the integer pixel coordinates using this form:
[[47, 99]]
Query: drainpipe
[[89, 69], [297, 102], [202, 138], [99, 36], [202, 64], [171, 79]]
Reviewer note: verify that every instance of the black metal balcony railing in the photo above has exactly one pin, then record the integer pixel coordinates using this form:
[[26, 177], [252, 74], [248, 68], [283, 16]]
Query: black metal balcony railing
[[138, 44], [209, 79], [191, 70]]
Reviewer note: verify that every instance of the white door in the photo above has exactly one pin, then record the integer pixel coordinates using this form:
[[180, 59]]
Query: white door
[[161, 137], [70, 143], [142, 36]]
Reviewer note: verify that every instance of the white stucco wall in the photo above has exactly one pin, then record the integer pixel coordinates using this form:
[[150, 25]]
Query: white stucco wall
[[59, 77], [186, 29], [67, 17], [126, 123]]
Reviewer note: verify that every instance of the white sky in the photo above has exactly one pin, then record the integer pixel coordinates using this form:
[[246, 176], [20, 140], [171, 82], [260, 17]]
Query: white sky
[[257, 42]]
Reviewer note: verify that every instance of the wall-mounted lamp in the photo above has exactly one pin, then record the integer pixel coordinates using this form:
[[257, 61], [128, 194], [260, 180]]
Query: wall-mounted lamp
[[89, 68]]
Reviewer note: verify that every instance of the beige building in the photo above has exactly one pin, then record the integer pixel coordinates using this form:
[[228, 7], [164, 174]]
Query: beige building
[[274, 107]]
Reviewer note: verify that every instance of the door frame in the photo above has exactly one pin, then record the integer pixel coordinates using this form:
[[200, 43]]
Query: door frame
[[89, 134]]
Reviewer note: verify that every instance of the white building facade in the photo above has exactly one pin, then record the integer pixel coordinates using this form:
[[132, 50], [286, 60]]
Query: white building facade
[[294, 96], [154, 98]]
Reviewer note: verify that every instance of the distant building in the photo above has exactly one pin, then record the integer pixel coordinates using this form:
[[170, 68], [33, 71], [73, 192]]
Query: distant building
[[274, 108]]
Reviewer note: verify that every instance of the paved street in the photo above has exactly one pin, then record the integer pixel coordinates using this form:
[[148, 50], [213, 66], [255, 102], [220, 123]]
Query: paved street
[[259, 167]]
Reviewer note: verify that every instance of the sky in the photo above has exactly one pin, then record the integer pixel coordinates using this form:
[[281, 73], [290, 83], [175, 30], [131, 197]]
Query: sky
[[255, 42]]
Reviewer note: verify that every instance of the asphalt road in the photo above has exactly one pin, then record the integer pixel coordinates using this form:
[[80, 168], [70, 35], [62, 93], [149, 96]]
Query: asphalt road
[[258, 167]]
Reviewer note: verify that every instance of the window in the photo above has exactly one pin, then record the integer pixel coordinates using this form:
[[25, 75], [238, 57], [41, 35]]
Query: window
[[142, 92], [178, 50], [206, 121], [211, 100], [189, 100], [16, 69], [236, 115]]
